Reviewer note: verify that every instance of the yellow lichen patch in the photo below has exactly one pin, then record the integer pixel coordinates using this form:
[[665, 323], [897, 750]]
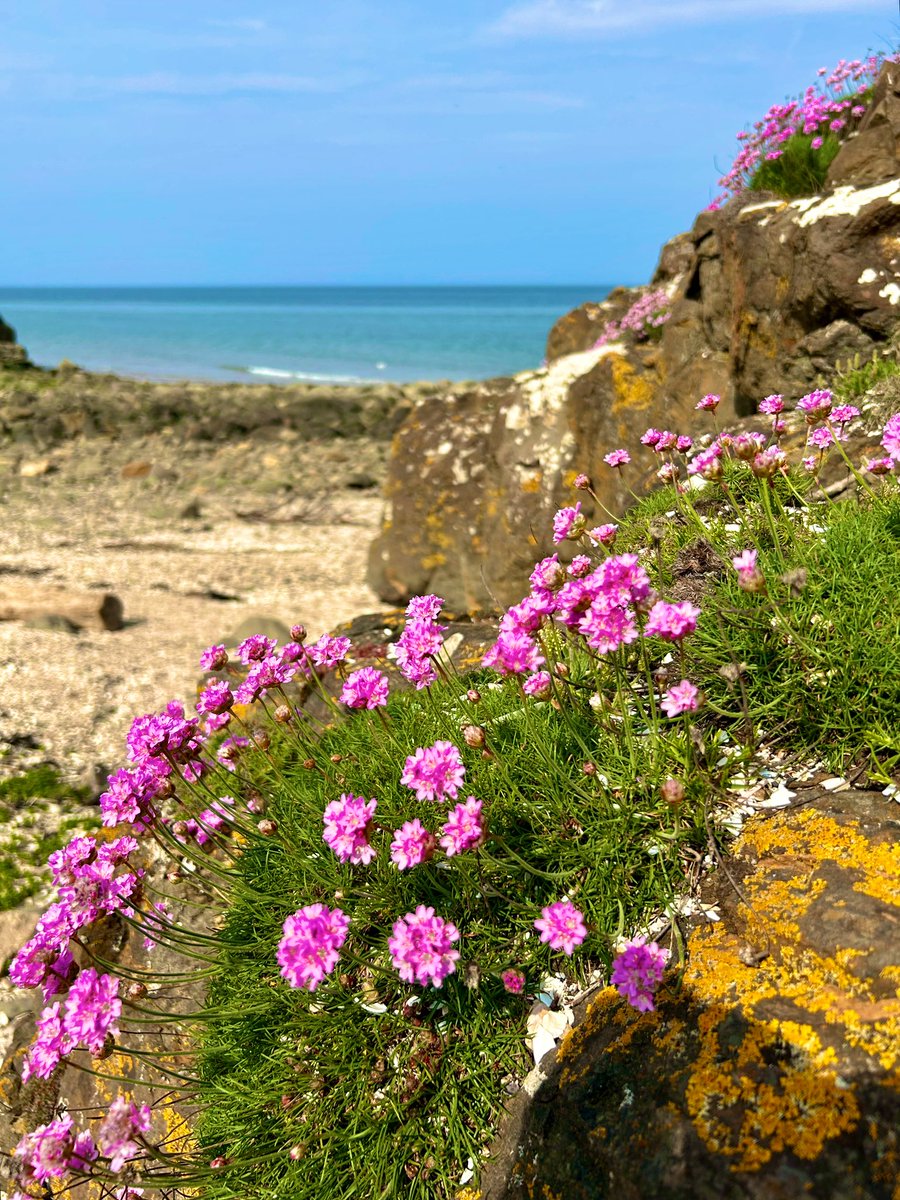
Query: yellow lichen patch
[[631, 390], [430, 561], [532, 482], [812, 833]]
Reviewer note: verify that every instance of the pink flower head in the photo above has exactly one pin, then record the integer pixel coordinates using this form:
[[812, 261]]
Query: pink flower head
[[347, 823], [424, 608], [93, 1009], [603, 535], [772, 405], [880, 466], [562, 926], [413, 844], [580, 565], [681, 698], [422, 947], [50, 1046], [709, 403], [617, 458], [707, 463], [815, 405], [890, 437], [683, 443], [538, 685], [214, 658], [119, 1130], [513, 981], [46, 1152], [843, 414], [651, 438], [821, 437], [768, 462], [568, 523], [637, 972], [513, 654], [329, 651], [817, 143], [811, 463], [464, 828], [216, 698], [582, 482], [255, 648], [309, 949], [435, 772], [365, 688], [671, 622]]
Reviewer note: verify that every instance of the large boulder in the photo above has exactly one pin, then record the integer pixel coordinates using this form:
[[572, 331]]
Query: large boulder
[[476, 475], [764, 297], [771, 1068]]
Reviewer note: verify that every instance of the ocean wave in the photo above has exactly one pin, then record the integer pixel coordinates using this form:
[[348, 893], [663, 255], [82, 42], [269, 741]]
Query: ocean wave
[[302, 376]]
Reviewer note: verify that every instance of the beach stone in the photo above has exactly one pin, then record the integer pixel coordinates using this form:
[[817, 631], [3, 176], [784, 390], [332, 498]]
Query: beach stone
[[136, 470], [52, 623], [771, 1067], [34, 468]]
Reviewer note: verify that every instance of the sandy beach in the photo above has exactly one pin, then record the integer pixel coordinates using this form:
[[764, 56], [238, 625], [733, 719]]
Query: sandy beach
[[196, 538]]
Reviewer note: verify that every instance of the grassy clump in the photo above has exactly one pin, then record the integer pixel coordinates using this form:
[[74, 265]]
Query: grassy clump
[[371, 1087], [801, 170], [394, 1099]]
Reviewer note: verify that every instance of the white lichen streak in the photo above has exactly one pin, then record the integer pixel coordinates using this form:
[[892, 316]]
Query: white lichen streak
[[761, 207], [891, 291], [868, 276], [844, 202]]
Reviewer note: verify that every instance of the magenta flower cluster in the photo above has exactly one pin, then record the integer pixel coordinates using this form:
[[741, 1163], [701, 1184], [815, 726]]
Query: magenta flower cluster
[[650, 311], [637, 972], [420, 642], [421, 947], [310, 947], [835, 105]]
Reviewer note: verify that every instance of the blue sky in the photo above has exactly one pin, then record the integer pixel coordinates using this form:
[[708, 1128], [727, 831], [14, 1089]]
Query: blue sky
[[384, 141]]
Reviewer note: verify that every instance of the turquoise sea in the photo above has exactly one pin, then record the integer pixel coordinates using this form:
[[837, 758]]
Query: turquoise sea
[[338, 334]]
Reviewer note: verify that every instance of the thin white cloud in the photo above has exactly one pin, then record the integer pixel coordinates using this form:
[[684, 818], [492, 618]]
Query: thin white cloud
[[162, 83], [481, 92], [570, 18]]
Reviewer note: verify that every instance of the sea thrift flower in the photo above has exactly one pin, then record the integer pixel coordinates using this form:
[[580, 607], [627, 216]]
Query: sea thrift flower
[[747, 445], [880, 466], [93, 1009], [671, 622], [434, 772], [822, 437], [681, 698], [255, 648], [811, 463], [568, 523], [617, 458], [421, 947], [890, 437], [329, 651], [365, 688], [750, 577], [769, 461], [155, 921], [603, 535], [772, 405], [420, 641], [46, 1151], [651, 438], [815, 405], [709, 403], [309, 949], [539, 685], [707, 463], [214, 658], [513, 981], [637, 972], [215, 699], [412, 845], [116, 1136], [582, 483], [464, 829], [347, 823], [561, 925], [50, 1046], [548, 574], [844, 414], [513, 654], [683, 444], [231, 750]]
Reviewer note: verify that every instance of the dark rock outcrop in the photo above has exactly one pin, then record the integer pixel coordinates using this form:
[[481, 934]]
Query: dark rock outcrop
[[11, 354], [765, 296], [771, 1068]]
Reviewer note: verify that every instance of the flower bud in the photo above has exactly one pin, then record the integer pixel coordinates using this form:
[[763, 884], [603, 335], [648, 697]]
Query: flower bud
[[336, 758], [283, 714], [267, 827], [473, 696], [589, 768], [297, 1152], [136, 991], [309, 764], [298, 633], [261, 738], [256, 804], [672, 791], [473, 736]]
